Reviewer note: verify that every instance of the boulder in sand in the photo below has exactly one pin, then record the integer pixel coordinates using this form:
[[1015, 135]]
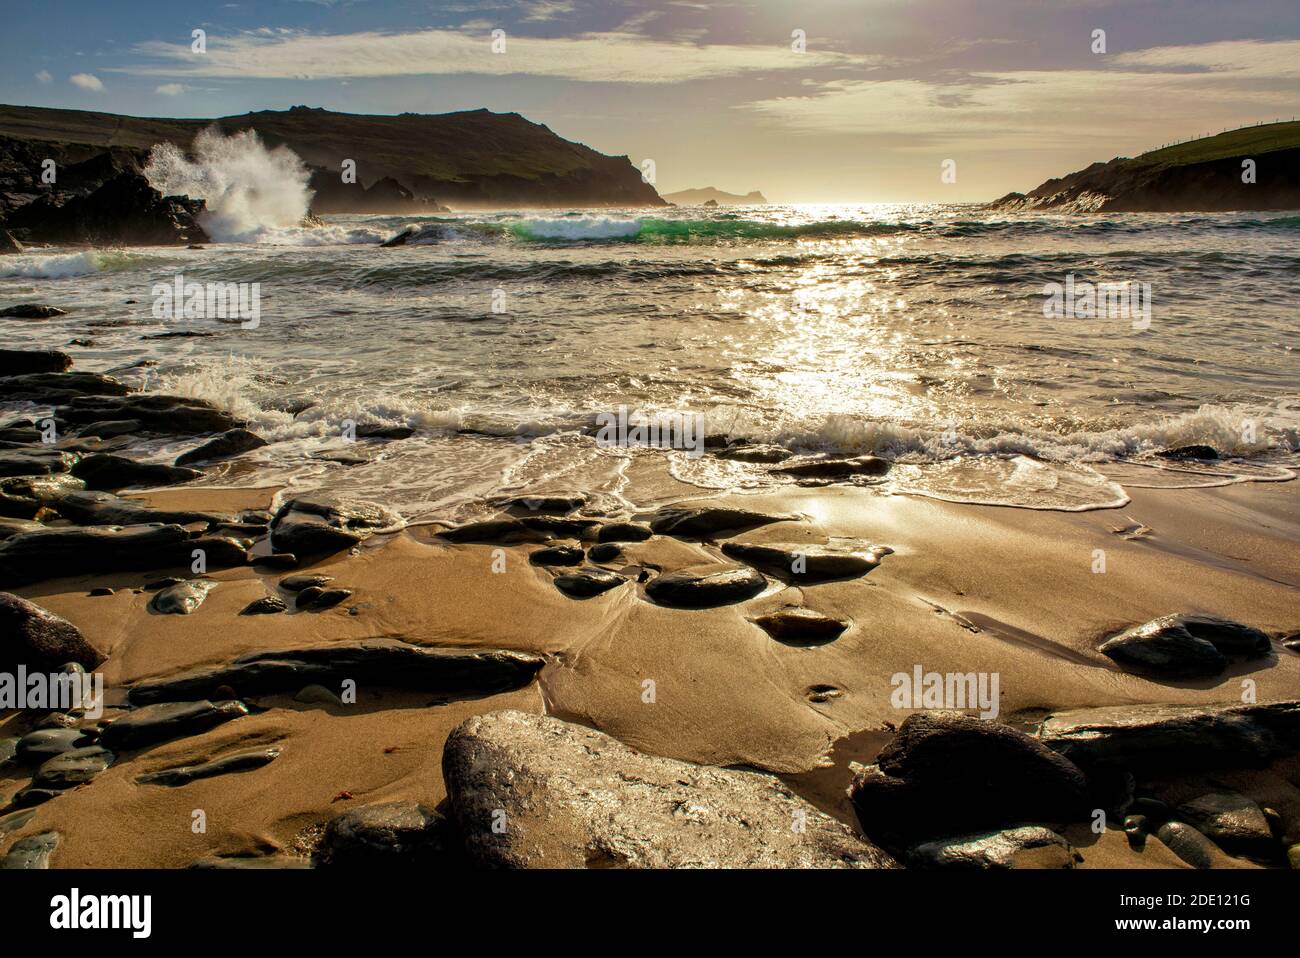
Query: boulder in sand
[[1185, 646], [38, 639]]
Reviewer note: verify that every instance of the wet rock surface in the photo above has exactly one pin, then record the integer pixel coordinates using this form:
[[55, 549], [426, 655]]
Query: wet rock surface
[[623, 532], [807, 562], [64, 551], [708, 520], [104, 471], [834, 468], [226, 765], [393, 833], [383, 663], [588, 582], [19, 362], [173, 415], [1182, 737], [168, 720], [947, 773], [41, 745], [315, 599], [183, 598], [232, 442], [92, 508], [267, 605], [556, 504], [39, 639], [1185, 645], [706, 586], [72, 768], [1030, 846], [802, 627], [32, 311], [1187, 843], [574, 797], [32, 852], [557, 555], [1232, 821], [35, 462], [316, 524], [296, 583]]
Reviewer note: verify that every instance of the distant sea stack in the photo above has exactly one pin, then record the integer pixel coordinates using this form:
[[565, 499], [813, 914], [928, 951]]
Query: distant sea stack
[[1206, 175], [408, 163], [710, 196]]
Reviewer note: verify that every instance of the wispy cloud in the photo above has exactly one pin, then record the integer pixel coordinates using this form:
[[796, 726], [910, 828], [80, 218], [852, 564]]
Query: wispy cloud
[[592, 57], [87, 81], [44, 76], [171, 89]]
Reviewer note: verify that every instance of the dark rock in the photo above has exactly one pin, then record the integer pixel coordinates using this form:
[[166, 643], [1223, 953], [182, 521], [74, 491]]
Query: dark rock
[[754, 454], [395, 833], [708, 520], [1190, 452], [168, 720], [21, 362], [22, 497], [316, 599], [556, 504], [493, 530], [58, 387], [807, 562], [573, 797], [377, 431], [605, 552], [14, 527], [564, 526], [276, 560], [1030, 846], [267, 605], [587, 582], [32, 852], [8, 244], [1187, 843], [802, 627], [111, 428], [90, 508], [182, 598], [65, 551], [835, 468], [35, 462], [39, 639], [175, 415], [1185, 646], [123, 211], [947, 773], [315, 524], [115, 472], [230, 443], [296, 583], [397, 240], [238, 762], [623, 532], [1176, 737], [31, 796], [11, 823], [383, 663], [1232, 821], [557, 555], [32, 311], [705, 586], [72, 768], [37, 747]]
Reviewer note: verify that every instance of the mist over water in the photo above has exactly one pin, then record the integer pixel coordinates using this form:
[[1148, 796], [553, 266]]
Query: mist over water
[[249, 189], [917, 333]]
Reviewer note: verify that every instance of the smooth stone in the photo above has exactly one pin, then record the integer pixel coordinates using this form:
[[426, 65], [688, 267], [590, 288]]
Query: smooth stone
[[573, 797], [1182, 738], [316, 524], [32, 311], [558, 504], [394, 833], [706, 586], [238, 762], [557, 555], [317, 695], [1232, 821], [807, 562], [1185, 646], [15, 821], [318, 600], [39, 746], [1030, 846], [835, 468], [946, 773], [276, 560], [707, 520], [802, 627], [1187, 843], [587, 582], [74, 550], [31, 796], [232, 442], [756, 454], [296, 583], [183, 598], [623, 532], [380, 663], [379, 431], [168, 720], [605, 552], [72, 768], [507, 530], [39, 639], [109, 472], [1190, 452], [32, 852], [175, 415], [267, 605], [19, 362], [35, 462], [111, 428], [23, 497]]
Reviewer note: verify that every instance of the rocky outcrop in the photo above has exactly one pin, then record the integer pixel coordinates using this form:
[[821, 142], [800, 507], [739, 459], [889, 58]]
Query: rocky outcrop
[[161, 723], [123, 211], [531, 791], [71, 550], [391, 834], [230, 443]]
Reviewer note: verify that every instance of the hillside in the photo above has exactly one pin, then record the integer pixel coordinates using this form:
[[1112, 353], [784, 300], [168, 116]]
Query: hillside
[[1199, 175], [472, 158], [707, 194]]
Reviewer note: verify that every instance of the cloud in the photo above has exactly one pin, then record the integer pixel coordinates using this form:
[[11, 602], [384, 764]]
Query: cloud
[[87, 81], [1193, 87], [171, 89], [44, 76], [612, 57], [548, 9]]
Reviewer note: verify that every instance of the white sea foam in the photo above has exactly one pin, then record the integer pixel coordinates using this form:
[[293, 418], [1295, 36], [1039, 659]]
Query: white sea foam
[[55, 266], [574, 228]]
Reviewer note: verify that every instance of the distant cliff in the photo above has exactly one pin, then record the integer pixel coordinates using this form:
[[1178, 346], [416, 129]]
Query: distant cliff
[[710, 195], [1200, 175], [407, 162]]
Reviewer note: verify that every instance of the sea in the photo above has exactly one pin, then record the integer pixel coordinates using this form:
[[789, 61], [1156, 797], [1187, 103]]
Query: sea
[[1032, 360]]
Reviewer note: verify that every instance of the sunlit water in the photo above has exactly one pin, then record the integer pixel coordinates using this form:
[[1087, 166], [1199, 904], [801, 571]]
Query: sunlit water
[[916, 333]]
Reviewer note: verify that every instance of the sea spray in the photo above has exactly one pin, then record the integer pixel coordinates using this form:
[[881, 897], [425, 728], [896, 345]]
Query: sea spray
[[249, 189]]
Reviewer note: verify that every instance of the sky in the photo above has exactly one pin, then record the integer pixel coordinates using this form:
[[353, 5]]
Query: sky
[[806, 100]]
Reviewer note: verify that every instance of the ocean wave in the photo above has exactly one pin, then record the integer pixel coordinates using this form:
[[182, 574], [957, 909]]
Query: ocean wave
[[64, 265]]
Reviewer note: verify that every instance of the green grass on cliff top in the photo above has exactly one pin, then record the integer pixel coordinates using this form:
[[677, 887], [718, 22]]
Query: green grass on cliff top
[[1244, 142]]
